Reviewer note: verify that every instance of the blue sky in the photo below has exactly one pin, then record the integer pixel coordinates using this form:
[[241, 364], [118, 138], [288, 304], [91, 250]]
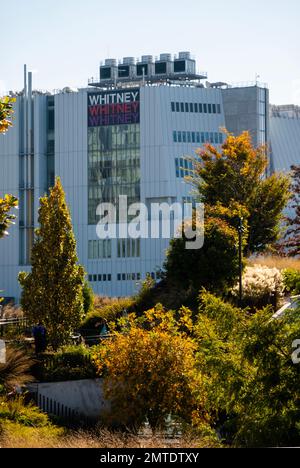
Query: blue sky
[[64, 40]]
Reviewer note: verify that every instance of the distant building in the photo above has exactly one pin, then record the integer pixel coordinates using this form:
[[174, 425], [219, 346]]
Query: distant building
[[285, 136]]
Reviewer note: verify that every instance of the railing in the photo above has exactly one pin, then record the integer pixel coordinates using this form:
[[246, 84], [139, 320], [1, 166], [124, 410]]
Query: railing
[[54, 408], [19, 324]]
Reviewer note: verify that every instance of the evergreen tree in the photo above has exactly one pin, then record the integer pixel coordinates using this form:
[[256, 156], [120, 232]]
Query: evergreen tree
[[53, 291], [293, 234]]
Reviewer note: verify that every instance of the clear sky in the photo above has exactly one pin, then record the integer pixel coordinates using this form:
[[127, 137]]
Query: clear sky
[[63, 41]]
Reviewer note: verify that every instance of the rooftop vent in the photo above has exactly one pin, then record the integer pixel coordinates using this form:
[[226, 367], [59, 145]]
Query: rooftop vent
[[128, 61], [166, 57], [110, 62], [184, 55]]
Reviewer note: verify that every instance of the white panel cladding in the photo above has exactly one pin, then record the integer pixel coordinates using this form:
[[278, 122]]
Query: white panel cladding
[[71, 160], [285, 139], [9, 183]]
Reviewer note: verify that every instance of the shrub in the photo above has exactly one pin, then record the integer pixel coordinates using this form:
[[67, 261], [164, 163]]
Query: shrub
[[251, 382], [291, 279], [70, 363], [107, 312], [261, 286], [27, 415], [17, 368], [88, 298], [148, 368]]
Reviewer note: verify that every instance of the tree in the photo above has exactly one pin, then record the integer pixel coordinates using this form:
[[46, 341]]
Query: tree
[[215, 266], [251, 381], [53, 291], [9, 201], [6, 111], [148, 367], [237, 174], [292, 243], [6, 218]]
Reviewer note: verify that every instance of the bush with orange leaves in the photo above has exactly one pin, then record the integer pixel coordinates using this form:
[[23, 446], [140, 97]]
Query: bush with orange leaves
[[149, 369]]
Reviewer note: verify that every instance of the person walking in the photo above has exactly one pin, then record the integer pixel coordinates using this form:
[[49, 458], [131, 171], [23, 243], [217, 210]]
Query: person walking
[[40, 338]]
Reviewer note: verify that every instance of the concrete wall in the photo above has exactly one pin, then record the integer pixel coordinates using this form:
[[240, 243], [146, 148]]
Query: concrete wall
[[81, 397]]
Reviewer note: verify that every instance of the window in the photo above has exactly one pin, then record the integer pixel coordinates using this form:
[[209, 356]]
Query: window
[[90, 278], [128, 276], [129, 248], [219, 108], [175, 137], [177, 107], [200, 108], [183, 167], [187, 107], [179, 137], [205, 108], [193, 137], [99, 249], [182, 106], [184, 137], [173, 106], [214, 108], [113, 165], [191, 107], [209, 108], [196, 107]]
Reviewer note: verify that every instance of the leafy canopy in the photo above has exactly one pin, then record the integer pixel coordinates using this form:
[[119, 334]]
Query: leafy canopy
[[237, 174], [6, 111]]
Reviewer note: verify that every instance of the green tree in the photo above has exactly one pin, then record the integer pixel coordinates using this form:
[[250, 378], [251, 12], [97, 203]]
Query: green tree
[[251, 381], [237, 174], [53, 291], [88, 298], [215, 266]]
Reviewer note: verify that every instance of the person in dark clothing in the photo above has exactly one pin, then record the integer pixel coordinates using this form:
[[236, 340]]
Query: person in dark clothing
[[40, 338]]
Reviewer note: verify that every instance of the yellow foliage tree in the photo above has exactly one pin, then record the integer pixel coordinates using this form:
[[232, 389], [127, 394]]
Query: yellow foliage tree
[[9, 201], [6, 111], [148, 368]]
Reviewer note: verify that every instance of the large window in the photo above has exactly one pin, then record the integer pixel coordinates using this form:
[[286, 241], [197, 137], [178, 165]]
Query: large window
[[113, 165]]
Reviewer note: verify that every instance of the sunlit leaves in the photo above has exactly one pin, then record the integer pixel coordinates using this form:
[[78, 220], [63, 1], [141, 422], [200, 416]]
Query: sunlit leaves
[[6, 111]]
